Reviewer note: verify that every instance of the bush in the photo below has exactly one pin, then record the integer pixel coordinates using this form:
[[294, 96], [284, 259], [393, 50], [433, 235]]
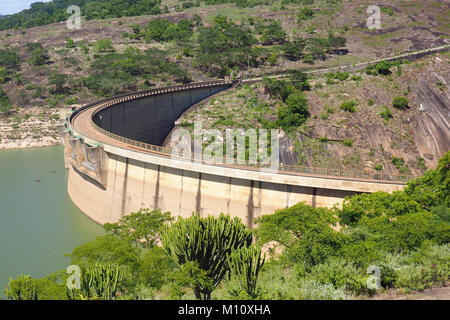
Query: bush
[[377, 204], [400, 103], [295, 112], [348, 143], [413, 278], [341, 274], [38, 57], [386, 114], [305, 233], [314, 290], [383, 67], [349, 106], [70, 43], [103, 45], [8, 58]]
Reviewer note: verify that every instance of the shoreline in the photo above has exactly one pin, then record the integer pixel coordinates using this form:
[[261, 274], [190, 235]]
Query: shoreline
[[24, 144]]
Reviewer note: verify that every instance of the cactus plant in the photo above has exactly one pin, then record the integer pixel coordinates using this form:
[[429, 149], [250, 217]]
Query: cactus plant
[[206, 242], [98, 282], [245, 264]]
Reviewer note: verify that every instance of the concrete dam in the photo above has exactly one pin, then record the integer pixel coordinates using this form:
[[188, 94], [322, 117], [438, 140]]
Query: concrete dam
[[117, 166]]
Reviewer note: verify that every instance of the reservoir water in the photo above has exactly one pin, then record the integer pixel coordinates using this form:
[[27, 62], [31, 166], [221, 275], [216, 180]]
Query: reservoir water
[[38, 222]]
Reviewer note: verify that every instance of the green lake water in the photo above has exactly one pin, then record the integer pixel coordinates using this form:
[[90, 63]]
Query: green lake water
[[38, 221]]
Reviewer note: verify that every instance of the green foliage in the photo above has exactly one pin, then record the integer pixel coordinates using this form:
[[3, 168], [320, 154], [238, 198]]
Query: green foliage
[[205, 242], [295, 112], [110, 249], [38, 57], [5, 105], [223, 46], [162, 30], [99, 282], [348, 143], [115, 73], [155, 267], [341, 274], [299, 80], [433, 188], [55, 11], [142, 227], [273, 33], [70, 43], [22, 288], [377, 204], [386, 114], [245, 265], [3, 75], [305, 13], [9, 58], [58, 80], [400, 103], [293, 50], [103, 45], [305, 233], [349, 106], [383, 67]]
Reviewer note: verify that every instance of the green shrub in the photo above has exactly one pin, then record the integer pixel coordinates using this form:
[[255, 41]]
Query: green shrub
[[383, 67], [314, 290], [305, 233], [386, 114], [348, 143], [341, 274], [349, 106], [400, 103], [413, 278], [70, 43], [104, 45]]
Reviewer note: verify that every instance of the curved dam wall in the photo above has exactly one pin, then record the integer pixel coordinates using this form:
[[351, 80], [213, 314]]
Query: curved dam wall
[[151, 119], [109, 178]]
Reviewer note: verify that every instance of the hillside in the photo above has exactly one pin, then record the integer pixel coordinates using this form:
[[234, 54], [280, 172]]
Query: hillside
[[51, 67]]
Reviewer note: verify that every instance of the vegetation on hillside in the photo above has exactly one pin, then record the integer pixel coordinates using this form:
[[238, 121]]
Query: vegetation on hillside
[[314, 253]]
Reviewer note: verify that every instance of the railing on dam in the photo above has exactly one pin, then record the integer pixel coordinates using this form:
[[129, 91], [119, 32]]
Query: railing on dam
[[167, 152], [286, 169]]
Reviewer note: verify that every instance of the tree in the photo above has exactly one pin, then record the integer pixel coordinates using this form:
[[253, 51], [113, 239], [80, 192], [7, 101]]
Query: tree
[[293, 50], [22, 288], [305, 233], [8, 58], [110, 249], [377, 204], [295, 112], [433, 188], [205, 243], [38, 57], [299, 80], [273, 33], [58, 80], [5, 105], [142, 227]]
